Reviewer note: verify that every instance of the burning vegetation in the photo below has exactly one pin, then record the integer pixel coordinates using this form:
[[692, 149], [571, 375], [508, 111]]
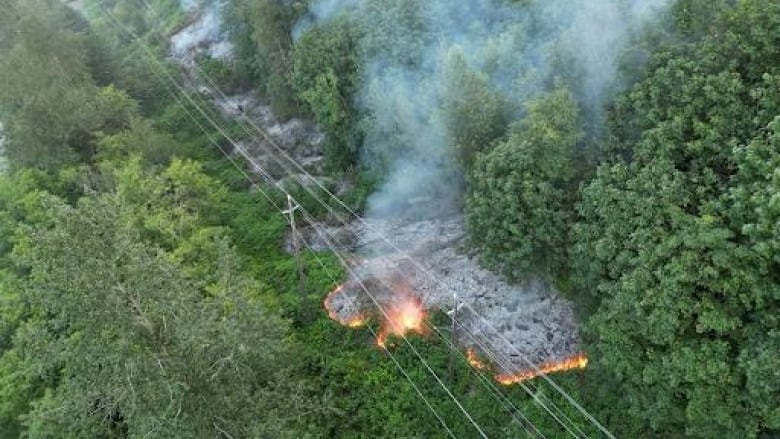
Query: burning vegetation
[[579, 361], [474, 360], [400, 311], [405, 313], [352, 320]]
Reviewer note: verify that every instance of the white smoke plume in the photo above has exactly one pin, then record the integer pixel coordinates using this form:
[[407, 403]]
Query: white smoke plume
[[189, 5], [516, 46], [204, 34], [320, 11]]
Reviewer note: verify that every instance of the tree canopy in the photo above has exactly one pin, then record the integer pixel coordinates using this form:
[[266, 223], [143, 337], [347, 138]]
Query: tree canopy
[[144, 286], [670, 240]]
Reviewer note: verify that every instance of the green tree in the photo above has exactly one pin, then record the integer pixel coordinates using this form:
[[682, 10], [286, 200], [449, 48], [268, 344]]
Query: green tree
[[47, 91], [754, 209], [520, 193], [673, 250], [269, 25], [392, 31], [139, 139], [326, 78], [133, 346], [476, 115]]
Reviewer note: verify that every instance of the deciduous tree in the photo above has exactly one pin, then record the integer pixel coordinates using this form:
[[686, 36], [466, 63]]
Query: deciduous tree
[[520, 194]]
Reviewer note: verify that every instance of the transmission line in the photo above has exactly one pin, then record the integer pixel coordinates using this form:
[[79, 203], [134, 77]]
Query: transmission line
[[427, 366], [214, 86], [435, 329], [269, 140], [485, 381], [329, 208], [273, 203]]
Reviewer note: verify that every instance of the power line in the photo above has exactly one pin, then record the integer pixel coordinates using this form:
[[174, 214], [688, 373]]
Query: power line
[[486, 382], [272, 202], [460, 406], [314, 225], [329, 208], [214, 86], [270, 141]]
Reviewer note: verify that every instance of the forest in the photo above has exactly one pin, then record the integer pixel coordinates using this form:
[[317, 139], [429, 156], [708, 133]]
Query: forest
[[627, 152]]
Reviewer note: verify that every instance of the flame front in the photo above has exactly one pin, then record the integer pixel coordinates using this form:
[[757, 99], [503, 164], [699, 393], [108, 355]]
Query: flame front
[[405, 313], [474, 361], [402, 313], [579, 361], [355, 321]]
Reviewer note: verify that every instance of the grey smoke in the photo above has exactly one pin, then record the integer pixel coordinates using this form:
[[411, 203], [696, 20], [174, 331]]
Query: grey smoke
[[320, 11], [189, 5], [204, 34], [407, 52], [597, 33]]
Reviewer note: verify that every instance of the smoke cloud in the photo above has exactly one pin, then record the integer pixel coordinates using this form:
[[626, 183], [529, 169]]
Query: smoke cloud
[[204, 34], [320, 11], [413, 49], [189, 5]]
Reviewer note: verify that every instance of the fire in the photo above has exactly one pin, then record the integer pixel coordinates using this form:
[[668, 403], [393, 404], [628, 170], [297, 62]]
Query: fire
[[474, 361], [579, 361], [355, 321], [400, 314], [405, 313]]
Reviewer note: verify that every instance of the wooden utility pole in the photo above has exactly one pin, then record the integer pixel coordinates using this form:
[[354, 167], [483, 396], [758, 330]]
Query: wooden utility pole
[[291, 207]]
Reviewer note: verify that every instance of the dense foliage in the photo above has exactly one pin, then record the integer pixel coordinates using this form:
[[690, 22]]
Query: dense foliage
[[521, 191], [263, 33], [127, 312], [325, 70], [677, 235], [144, 291]]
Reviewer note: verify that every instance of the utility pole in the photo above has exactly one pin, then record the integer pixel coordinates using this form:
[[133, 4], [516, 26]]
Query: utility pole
[[452, 335], [292, 206]]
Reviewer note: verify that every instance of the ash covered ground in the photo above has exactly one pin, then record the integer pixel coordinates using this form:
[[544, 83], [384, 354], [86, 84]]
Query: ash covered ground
[[298, 138], [518, 324]]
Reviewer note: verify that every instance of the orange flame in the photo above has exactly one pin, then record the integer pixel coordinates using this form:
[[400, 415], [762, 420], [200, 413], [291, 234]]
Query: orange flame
[[579, 361], [404, 314], [355, 321], [474, 361]]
